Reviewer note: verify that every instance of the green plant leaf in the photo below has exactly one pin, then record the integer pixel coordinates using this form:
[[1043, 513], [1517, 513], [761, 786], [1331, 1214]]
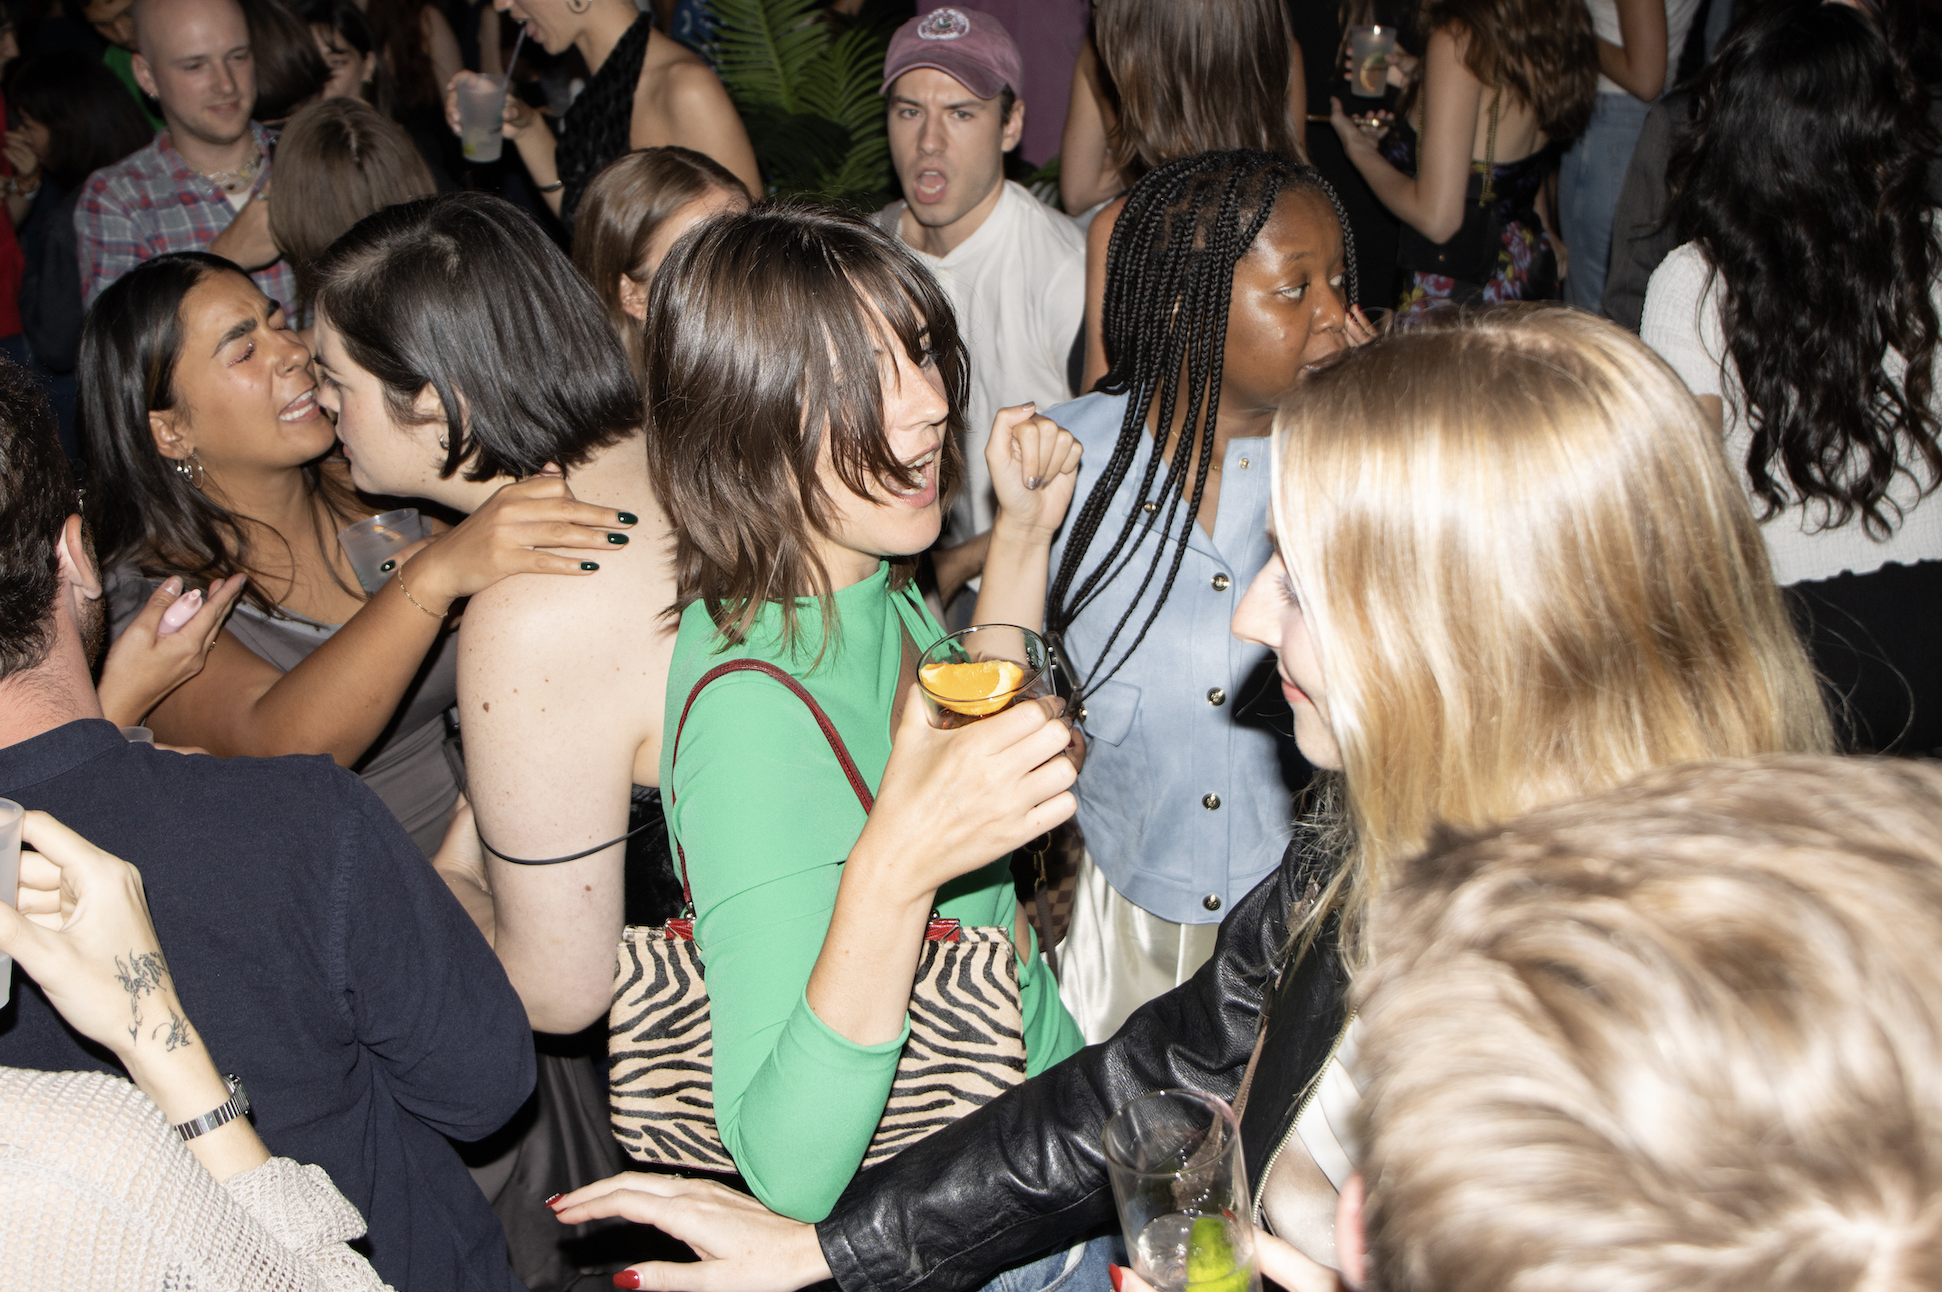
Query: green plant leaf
[[763, 49], [806, 87]]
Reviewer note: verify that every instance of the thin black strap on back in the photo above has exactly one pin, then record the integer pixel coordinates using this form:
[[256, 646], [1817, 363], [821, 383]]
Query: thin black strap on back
[[835, 739], [573, 856]]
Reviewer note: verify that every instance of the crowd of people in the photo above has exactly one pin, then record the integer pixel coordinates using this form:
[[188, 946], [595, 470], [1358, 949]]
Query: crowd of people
[[1477, 499]]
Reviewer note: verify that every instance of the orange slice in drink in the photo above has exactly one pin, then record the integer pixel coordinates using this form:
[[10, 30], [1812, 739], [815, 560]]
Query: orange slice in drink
[[973, 689]]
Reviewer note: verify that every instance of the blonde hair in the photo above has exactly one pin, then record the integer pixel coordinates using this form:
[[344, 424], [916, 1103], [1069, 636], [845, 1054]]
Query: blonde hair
[[1529, 575], [1683, 1037]]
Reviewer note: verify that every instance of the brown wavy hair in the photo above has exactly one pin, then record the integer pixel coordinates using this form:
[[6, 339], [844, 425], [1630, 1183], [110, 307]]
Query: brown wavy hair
[[1543, 51], [761, 339], [1209, 76], [624, 208]]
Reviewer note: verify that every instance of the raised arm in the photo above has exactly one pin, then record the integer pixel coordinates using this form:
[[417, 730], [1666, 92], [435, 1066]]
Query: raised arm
[[341, 697], [441, 45], [810, 963], [162, 649], [1034, 465], [1639, 64], [1432, 202], [83, 933]]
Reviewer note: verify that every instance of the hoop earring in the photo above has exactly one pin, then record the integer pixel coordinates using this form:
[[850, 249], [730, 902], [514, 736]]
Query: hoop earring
[[190, 469]]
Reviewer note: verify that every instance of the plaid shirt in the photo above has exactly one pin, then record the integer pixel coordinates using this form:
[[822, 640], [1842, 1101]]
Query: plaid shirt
[[151, 203]]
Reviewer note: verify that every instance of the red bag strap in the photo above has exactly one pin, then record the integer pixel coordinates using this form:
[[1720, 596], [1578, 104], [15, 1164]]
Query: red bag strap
[[830, 734]]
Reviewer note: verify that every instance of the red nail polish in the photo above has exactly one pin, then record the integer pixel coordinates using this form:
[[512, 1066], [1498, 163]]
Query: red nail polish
[[555, 1198], [627, 1279], [1116, 1274]]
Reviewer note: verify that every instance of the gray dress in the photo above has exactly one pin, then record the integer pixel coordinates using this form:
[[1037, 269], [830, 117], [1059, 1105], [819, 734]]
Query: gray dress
[[408, 765]]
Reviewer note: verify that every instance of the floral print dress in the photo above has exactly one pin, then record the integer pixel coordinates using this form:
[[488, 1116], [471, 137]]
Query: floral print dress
[[1527, 267]]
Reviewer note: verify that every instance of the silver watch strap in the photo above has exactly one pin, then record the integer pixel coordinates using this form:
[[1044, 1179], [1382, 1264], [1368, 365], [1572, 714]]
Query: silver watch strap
[[221, 1115]]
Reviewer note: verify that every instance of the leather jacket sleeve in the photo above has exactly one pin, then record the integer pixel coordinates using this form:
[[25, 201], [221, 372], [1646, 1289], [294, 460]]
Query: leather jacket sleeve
[[1026, 1173]]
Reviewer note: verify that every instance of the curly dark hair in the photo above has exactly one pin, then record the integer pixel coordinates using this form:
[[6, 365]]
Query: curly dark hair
[[1802, 179], [1543, 51]]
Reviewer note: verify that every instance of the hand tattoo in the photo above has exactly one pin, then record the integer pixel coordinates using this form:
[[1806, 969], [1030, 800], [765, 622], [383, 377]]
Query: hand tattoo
[[143, 973], [178, 1034]]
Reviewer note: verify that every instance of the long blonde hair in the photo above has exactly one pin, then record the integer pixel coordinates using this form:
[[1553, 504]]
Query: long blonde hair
[[1529, 575]]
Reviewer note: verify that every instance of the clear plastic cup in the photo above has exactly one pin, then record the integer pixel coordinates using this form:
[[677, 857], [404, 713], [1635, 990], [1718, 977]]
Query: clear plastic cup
[[482, 111], [370, 544], [1369, 51], [1175, 1162], [10, 815], [1029, 678]]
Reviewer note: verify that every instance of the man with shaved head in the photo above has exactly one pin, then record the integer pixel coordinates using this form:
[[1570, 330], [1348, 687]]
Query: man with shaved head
[[203, 183]]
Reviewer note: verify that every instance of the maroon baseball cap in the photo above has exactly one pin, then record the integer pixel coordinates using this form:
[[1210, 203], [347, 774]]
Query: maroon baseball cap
[[972, 48]]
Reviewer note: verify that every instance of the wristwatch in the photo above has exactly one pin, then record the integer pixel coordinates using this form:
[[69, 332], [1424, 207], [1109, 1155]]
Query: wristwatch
[[221, 1115]]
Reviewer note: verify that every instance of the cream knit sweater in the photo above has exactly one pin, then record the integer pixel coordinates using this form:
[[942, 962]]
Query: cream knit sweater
[[97, 1193]]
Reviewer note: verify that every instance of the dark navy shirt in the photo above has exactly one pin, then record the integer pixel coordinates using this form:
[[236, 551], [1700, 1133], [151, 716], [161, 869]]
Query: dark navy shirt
[[324, 963]]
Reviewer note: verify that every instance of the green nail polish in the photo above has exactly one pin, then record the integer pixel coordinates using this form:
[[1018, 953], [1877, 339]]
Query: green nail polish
[[616, 538], [589, 565], [629, 518]]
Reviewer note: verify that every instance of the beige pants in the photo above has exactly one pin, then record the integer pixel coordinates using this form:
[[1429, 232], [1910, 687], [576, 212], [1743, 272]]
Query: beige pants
[[1116, 956]]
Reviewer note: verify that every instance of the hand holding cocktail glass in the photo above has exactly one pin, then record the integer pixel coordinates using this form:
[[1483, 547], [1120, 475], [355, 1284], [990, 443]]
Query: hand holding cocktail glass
[[1175, 1162], [949, 802]]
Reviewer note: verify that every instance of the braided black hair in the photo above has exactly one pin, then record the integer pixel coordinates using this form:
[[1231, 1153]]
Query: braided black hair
[[1169, 277]]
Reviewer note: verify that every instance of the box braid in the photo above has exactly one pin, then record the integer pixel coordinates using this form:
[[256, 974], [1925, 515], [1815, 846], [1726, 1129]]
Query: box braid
[[1169, 277]]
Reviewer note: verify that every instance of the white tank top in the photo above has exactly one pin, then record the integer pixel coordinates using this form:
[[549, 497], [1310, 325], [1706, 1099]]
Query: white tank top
[[1679, 20]]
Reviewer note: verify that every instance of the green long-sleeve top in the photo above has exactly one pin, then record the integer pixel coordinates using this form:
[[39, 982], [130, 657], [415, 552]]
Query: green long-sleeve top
[[765, 816]]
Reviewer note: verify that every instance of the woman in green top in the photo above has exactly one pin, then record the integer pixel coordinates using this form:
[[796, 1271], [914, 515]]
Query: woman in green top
[[804, 381]]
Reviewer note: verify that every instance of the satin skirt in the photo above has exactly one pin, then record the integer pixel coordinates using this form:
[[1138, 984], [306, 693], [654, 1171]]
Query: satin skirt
[[1117, 956]]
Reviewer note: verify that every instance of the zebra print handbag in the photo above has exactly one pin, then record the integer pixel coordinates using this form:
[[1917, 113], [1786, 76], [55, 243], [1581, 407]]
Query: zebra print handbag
[[967, 1030]]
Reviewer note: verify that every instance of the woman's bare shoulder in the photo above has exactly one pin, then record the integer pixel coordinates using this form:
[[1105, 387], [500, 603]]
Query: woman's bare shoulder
[[675, 80], [614, 612]]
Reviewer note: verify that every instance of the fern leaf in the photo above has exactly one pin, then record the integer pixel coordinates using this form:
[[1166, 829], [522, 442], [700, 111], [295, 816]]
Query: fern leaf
[[764, 49]]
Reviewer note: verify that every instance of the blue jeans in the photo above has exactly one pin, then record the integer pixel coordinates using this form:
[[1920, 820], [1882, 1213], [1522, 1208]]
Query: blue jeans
[[1079, 1269], [1589, 181]]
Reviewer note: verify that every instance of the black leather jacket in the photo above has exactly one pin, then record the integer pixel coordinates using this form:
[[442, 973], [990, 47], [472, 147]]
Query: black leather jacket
[[1026, 1174]]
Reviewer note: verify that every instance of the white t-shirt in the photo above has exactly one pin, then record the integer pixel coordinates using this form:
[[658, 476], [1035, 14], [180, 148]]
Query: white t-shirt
[[1679, 20], [1018, 286], [1682, 322]]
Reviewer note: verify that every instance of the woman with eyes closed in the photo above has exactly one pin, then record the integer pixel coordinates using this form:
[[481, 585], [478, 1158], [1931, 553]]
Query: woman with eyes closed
[[1227, 276], [460, 351], [212, 461]]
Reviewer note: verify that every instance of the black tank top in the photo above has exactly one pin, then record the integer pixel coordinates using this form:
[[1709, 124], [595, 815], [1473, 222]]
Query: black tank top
[[596, 129]]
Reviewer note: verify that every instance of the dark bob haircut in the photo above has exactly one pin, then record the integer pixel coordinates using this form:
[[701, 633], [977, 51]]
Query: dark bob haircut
[[761, 336], [465, 294]]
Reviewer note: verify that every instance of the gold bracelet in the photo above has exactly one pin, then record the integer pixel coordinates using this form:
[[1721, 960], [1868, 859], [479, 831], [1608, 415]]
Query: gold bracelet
[[414, 600]]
